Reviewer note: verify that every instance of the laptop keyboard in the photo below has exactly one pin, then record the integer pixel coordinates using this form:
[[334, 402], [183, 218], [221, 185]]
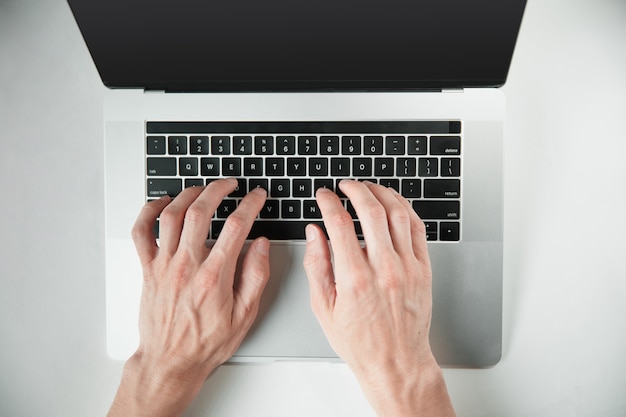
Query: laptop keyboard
[[291, 160]]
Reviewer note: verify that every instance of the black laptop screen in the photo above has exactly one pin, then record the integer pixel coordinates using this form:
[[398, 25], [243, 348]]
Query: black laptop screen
[[246, 45]]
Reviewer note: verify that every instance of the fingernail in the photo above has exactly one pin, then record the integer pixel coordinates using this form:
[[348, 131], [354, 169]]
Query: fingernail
[[310, 233], [368, 183], [232, 180], [259, 190], [393, 190], [263, 247]]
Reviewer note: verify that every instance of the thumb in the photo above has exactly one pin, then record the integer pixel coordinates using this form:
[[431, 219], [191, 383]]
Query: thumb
[[255, 273], [319, 271]]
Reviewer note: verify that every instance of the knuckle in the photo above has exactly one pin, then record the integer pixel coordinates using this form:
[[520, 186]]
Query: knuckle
[[311, 261], [389, 275], [236, 224], [196, 212], [375, 211], [210, 277], [169, 215], [399, 215], [139, 231], [341, 218]]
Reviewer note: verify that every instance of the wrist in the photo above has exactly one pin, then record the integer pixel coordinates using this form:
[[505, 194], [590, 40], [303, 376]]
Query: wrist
[[148, 388], [415, 390]]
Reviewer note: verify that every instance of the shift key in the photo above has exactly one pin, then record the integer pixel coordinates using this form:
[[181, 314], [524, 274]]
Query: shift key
[[437, 210], [157, 188]]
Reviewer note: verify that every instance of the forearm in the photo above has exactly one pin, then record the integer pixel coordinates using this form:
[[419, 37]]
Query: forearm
[[145, 391], [397, 394]]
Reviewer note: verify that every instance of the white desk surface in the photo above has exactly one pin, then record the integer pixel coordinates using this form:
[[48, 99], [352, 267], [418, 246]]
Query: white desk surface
[[565, 224]]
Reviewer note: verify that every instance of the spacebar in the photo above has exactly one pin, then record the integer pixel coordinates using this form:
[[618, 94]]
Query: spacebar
[[271, 229]]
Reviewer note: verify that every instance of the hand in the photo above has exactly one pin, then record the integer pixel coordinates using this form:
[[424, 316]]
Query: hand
[[374, 304], [194, 313]]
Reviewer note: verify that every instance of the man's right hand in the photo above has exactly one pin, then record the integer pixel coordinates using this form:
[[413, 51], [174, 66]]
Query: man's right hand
[[374, 303]]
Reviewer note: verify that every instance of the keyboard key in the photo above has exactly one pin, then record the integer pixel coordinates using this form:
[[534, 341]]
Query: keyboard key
[[373, 145], [445, 145], [210, 167], [338, 191], [274, 167], [155, 145], [199, 145], [225, 208], [285, 145], [188, 167], [242, 188], [264, 145], [157, 188], [450, 167], [231, 167], [350, 209], [442, 188], [406, 167], [271, 229], [431, 230], [411, 188], [302, 188], [194, 182], [428, 167], [296, 167], [307, 145], [362, 167], [390, 183], [416, 145], [258, 183], [162, 167], [340, 167], [437, 210], [449, 231], [242, 145], [252, 167], [329, 145], [280, 188], [177, 145], [318, 167], [394, 145], [351, 145], [311, 210], [323, 183], [384, 167], [291, 209], [220, 145], [270, 209]]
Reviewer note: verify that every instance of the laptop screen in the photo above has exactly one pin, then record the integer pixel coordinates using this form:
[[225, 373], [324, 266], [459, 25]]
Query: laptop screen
[[282, 45]]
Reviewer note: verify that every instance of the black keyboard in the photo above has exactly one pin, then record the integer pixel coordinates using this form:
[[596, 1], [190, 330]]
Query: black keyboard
[[291, 160]]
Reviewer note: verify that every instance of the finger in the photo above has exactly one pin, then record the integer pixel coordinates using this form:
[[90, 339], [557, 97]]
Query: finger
[[398, 219], [418, 231], [255, 273], [371, 213], [172, 217], [198, 216], [236, 229], [143, 230], [339, 225], [319, 272]]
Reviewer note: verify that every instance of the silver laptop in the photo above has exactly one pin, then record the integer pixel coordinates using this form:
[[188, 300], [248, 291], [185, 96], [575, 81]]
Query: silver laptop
[[292, 97]]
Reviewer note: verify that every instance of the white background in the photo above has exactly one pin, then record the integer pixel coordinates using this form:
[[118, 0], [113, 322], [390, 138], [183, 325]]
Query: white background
[[564, 277]]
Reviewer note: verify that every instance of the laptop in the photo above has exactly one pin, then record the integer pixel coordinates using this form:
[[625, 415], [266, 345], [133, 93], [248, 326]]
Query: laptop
[[292, 96]]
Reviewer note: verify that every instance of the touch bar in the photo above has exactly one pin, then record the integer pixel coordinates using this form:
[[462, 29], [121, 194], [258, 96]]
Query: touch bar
[[408, 127]]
